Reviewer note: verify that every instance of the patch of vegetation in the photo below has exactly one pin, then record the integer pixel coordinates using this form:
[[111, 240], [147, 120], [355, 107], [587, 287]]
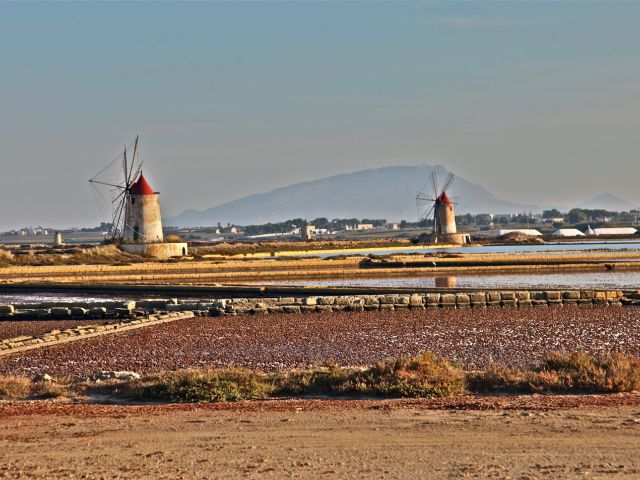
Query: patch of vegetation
[[577, 372], [195, 386], [21, 388], [98, 255], [417, 377], [423, 376], [173, 238]]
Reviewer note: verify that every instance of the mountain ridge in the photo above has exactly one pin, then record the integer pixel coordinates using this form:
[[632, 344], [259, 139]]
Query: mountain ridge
[[607, 201], [384, 192]]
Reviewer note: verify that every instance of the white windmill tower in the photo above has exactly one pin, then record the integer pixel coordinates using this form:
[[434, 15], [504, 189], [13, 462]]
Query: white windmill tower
[[444, 216], [136, 221]]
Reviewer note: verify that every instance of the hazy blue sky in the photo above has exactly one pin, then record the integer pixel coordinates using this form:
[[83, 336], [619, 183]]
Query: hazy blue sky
[[538, 102]]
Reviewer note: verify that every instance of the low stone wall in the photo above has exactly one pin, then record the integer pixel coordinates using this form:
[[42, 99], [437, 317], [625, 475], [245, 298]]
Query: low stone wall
[[537, 298], [239, 306]]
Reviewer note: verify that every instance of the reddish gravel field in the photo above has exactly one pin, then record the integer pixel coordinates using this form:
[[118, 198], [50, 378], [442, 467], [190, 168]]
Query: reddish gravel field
[[476, 338], [10, 329]]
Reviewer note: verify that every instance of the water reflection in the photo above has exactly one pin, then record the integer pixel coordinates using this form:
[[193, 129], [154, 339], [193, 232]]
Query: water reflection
[[624, 279], [446, 282]]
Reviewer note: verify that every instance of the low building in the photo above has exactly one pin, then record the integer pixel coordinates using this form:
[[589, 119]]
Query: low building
[[307, 232], [365, 226]]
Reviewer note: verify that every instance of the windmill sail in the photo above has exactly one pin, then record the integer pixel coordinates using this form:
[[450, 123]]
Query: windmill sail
[[111, 185], [441, 207]]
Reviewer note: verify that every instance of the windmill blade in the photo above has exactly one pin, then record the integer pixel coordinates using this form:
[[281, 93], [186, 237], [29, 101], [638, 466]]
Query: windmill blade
[[119, 196], [434, 183], [118, 218], [426, 217], [456, 199], [423, 199], [447, 182], [133, 159]]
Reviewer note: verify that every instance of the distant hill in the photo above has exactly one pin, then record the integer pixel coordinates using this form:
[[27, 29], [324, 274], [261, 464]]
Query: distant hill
[[607, 201], [387, 192]]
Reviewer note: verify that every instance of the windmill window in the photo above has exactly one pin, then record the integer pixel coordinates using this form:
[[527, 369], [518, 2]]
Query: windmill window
[[133, 200]]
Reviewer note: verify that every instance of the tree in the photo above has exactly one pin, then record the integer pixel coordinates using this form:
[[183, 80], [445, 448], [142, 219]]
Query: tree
[[553, 213], [576, 215]]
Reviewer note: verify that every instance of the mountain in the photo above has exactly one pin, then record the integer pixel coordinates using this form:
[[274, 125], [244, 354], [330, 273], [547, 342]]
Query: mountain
[[607, 201], [387, 192]]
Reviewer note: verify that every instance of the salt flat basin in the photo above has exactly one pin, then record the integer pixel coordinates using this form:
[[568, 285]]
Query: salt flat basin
[[622, 279], [630, 247], [36, 297]]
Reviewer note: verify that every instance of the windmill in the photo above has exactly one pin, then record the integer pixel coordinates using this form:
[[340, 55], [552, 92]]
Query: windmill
[[444, 217], [112, 185]]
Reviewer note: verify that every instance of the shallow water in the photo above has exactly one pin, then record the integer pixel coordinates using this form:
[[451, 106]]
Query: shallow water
[[606, 280], [35, 297], [630, 247]]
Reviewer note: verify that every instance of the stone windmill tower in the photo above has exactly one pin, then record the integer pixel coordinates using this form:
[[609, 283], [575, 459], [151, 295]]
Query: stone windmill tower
[[444, 216], [136, 221], [142, 220]]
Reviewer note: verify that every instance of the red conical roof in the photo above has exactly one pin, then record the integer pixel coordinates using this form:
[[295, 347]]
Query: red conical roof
[[444, 198], [141, 187]]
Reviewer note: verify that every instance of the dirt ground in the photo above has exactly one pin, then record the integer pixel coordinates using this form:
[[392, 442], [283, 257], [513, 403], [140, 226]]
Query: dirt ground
[[521, 438]]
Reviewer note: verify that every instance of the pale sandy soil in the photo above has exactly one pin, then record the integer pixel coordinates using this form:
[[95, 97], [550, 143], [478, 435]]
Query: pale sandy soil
[[316, 439]]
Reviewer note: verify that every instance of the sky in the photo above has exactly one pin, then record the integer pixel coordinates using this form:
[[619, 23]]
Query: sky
[[539, 102]]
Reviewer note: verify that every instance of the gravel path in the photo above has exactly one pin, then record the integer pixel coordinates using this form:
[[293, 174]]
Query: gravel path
[[475, 337]]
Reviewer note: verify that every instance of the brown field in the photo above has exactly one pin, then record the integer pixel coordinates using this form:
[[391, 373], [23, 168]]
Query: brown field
[[16, 328], [473, 436], [476, 338]]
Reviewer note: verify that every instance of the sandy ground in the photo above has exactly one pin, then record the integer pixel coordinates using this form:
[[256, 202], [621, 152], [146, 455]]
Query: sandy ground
[[321, 439]]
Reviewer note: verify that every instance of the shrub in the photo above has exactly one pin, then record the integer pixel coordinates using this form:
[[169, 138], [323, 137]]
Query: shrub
[[173, 238], [20, 388], [423, 376], [563, 373], [201, 386]]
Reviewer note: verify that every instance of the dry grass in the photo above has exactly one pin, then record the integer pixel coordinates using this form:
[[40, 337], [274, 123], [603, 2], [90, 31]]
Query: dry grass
[[173, 238], [6, 257], [241, 248], [423, 376], [201, 386], [101, 254], [417, 377], [20, 388], [577, 372]]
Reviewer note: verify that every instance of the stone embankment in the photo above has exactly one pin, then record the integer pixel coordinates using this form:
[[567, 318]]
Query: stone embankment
[[150, 312], [231, 306]]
